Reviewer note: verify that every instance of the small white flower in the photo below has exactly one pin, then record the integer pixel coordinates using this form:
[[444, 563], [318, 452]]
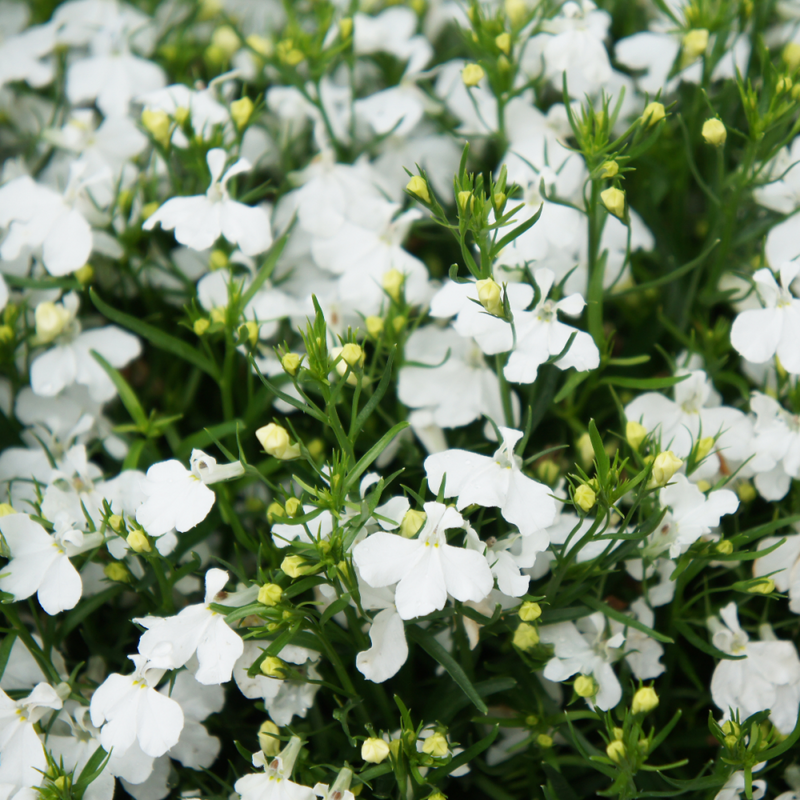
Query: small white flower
[[40, 562], [427, 568], [170, 642], [131, 710], [783, 566], [199, 221], [735, 786], [274, 782]]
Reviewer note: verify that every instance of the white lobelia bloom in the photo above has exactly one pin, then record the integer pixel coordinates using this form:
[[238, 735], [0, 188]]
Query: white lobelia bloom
[[691, 515], [427, 568], [130, 711], [585, 648], [274, 782], [767, 678], [22, 756], [504, 562], [782, 565], [735, 787], [179, 498], [40, 562], [777, 446], [642, 652], [496, 481], [199, 221], [759, 334], [70, 359], [168, 643], [541, 336], [205, 112], [695, 413]]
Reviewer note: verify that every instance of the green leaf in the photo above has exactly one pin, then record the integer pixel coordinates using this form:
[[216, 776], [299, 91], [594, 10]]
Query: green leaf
[[126, 394], [751, 534], [335, 607], [377, 396], [643, 383], [630, 622], [705, 647], [364, 462], [600, 455], [468, 755], [518, 231], [94, 766], [157, 337], [451, 666], [5, 651], [88, 606], [570, 385]]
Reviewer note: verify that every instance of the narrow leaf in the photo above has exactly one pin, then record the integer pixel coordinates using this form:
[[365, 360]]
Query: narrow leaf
[[126, 394], [630, 622]]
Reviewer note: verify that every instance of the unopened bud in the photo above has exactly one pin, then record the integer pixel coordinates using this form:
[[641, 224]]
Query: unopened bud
[[616, 751], [530, 611], [472, 75], [295, 566], [525, 636], [6, 509], [703, 447], [435, 745], [664, 467], [138, 542], [158, 123], [275, 509], [516, 11], [345, 27], [695, 44], [275, 441], [585, 686], [412, 522], [610, 169], [725, 547], [585, 498], [791, 56], [374, 326], [635, 433], [714, 132], [766, 586], [270, 594], [50, 320], [614, 200], [84, 275], [268, 739], [419, 187], [293, 505], [291, 363], [393, 282], [465, 199], [241, 111], [543, 740], [746, 492], [653, 113], [645, 700], [117, 571], [250, 330], [374, 750], [503, 42], [490, 296], [273, 667]]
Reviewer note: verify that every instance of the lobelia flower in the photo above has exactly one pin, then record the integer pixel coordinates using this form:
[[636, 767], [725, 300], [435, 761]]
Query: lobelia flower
[[585, 648], [425, 569], [130, 710], [274, 782], [504, 562], [777, 446], [768, 678], [540, 336], [22, 756], [691, 515], [735, 786], [782, 565], [496, 481], [199, 221], [40, 562], [179, 498], [759, 334], [642, 652], [168, 643]]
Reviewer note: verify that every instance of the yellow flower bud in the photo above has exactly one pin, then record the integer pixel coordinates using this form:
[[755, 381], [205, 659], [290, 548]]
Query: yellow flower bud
[[653, 113], [6, 333], [585, 449], [703, 486], [291, 363], [117, 571], [316, 448], [218, 315], [345, 27], [393, 282], [784, 84], [148, 209], [201, 326], [548, 471], [374, 326], [731, 741], [614, 200], [694, 44], [610, 169], [645, 700], [181, 114], [618, 734], [50, 320], [270, 594], [585, 686], [268, 739], [61, 782], [465, 199], [525, 636], [472, 75], [616, 751], [664, 467], [158, 123], [209, 9], [703, 447], [273, 667], [635, 434], [398, 323], [259, 44], [251, 330], [84, 275], [275, 510], [543, 740], [766, 586], [503, 42], [530, 611], [791, 56], [6, 509], [516, 11], [293, 505], [295, 566], [491, 296], [412, 522], [435, 745], [275, 441], [585, 498], [115, 522], [288, 53], [241, 111], [714, 132], [725, 547], [374, 750], [227, 40], [418, 186], [499, 200], [138, 542], [746, 492]]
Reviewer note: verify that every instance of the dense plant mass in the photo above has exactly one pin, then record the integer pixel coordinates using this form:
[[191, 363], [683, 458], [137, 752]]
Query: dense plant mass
[[399, 400]]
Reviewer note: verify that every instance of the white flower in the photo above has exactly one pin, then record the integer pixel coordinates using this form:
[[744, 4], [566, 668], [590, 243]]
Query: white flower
[[540, 336], [39, 217], [199, 221], [691, 515], [642, 652], [776, 445], [735, 785], [427, 568], [205, 113], [585, 648], [22, 757], [22, 57], [759, 334], [767, 679], [274, 783], [505, 563], [170, 642], [131, 710], [783, 566], [40, 562], [179, 498], [495, 482]]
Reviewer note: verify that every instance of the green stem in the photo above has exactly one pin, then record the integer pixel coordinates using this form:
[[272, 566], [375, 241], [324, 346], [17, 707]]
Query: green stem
[[596, 268], [228, 368], [505, 390]]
